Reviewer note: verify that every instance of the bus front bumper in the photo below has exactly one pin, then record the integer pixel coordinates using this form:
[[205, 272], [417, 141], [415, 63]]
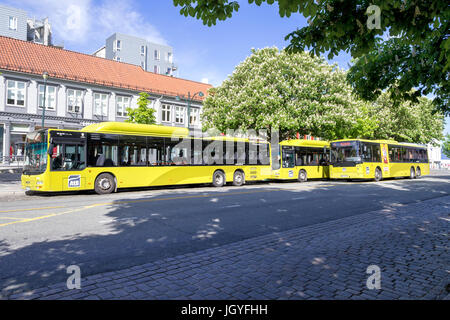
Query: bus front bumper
[[33, 182], [347, 172]]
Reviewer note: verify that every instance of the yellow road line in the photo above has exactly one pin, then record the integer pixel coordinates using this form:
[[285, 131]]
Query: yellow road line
[[41, 217], [125, 202], [12, 218], [31, 209]]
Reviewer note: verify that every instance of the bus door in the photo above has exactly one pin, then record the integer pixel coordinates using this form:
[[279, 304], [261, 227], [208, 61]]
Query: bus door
[[288, 160], [67, 161]]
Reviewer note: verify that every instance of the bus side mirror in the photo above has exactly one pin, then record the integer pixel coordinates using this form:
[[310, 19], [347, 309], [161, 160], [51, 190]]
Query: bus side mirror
[[50, 149]]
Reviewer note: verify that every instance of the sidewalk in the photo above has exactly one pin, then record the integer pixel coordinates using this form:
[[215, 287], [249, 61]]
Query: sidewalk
[[323, 261]]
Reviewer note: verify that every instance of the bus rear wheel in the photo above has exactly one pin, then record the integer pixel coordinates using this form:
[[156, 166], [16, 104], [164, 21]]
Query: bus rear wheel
[[218, 179], [238, 178], [378, 174], [302, 176], [105, 184], [412, 173], [418, 172]]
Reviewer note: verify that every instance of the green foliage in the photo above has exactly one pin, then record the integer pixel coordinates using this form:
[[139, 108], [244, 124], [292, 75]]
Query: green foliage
[[446, 145], [142, 114], [418, 57], [407, 121]]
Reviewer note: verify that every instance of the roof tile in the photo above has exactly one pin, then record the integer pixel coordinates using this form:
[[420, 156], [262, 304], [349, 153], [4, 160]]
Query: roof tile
[[23, 56]]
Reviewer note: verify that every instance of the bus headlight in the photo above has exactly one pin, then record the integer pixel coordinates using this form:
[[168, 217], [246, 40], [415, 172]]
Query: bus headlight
[[39, 183]]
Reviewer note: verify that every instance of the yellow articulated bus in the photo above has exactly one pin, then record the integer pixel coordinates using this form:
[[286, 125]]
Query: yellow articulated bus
[[111, 155], [302, 160], [377, 159]]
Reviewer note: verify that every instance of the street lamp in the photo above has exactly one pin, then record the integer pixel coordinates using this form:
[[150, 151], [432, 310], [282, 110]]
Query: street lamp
[[45, 77], [188, 100]]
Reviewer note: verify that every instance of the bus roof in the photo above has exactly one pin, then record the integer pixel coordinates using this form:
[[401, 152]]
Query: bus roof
[[406, 144], [136, 129], [305, 143]]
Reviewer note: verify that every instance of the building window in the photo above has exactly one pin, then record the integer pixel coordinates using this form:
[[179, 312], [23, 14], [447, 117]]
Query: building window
[[165, 113], [156, 69], [12, 23], [122, 103], [117, 59], [142, 50], [179, 115], [169, 57], [15, 93], [143, 65], [194, 118], [156, 54], [50, 97], [117, 45], [74, 100], [100, 104]]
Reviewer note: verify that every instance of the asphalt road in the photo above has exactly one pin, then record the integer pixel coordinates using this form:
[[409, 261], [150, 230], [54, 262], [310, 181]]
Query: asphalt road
[[41, 235]]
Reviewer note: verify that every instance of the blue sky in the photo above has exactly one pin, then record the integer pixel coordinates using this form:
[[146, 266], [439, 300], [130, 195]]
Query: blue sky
[[201, 52]]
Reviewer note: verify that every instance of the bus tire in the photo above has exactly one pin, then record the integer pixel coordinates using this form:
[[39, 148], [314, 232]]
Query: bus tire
[[302, 176], [412, 173], [378, 174], [218, 179], [105, 183], [238, 178], [418, 173]]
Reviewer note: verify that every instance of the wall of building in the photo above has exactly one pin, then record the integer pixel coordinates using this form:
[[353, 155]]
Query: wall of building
[[16, 121], [130, 52], [21, 32]]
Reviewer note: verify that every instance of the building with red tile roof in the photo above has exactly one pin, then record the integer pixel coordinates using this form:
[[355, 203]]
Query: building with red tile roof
[[81, 89]]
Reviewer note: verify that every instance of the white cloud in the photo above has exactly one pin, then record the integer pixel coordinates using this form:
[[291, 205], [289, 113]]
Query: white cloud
[[83, 22]]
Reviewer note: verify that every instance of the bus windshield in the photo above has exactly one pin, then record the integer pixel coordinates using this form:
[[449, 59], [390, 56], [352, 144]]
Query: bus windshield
[[342, 152], [35, 153]]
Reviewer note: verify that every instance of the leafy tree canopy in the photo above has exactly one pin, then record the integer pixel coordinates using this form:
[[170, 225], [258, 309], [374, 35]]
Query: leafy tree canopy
[[276, 90], [415, 55], [446, 145], [142, 114]]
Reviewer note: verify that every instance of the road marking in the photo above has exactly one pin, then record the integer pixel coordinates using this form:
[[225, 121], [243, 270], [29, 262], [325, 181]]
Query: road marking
[[31, 209], [42, 217], [12, 218], [232, 206], [24, 220]]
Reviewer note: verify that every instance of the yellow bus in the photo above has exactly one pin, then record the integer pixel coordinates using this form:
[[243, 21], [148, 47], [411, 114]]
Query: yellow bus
[[302, 160], [377, 159], [111, 155]]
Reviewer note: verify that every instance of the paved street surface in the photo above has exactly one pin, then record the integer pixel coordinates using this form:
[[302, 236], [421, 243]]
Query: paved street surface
[[261, 241]]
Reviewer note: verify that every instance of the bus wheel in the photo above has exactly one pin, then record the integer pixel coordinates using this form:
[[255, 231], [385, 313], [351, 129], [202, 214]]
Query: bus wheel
[[104, 183], [218, 179], [378, 174], [418, 173], [302, 176], [412, 173], [238, 178]]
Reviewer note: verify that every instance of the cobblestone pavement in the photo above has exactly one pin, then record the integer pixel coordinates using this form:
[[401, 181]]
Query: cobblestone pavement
[[323, 261]]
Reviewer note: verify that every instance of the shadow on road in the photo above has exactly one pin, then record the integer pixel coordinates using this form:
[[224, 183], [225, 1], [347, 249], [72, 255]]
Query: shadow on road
[[136, 231]]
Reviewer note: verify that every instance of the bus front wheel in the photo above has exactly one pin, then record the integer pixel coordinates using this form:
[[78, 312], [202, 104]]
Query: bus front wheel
[[105, 184], [302, 176], [378, 174], [218, 179]]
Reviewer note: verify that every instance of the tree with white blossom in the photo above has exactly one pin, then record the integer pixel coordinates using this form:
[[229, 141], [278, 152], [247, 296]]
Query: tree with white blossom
[[291, 93]]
